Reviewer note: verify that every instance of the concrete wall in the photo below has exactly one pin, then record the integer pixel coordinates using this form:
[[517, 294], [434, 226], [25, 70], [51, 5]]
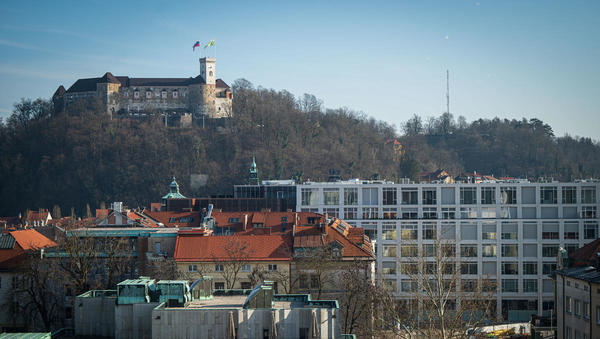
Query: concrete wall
[[133, 321], [212, 323], [577, 290], [95, 316]]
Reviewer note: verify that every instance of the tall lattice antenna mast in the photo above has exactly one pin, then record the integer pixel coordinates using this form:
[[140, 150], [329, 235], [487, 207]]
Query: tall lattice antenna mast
[[447, 91]]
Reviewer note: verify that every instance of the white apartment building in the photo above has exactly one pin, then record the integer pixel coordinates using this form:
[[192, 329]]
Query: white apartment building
[[508, 232]]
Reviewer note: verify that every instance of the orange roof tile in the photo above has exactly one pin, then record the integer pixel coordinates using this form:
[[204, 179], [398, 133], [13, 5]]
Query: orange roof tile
[[32, 239], [260, 247]]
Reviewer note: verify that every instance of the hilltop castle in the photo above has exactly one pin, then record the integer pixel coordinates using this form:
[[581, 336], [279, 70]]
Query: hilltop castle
[[204, 95]]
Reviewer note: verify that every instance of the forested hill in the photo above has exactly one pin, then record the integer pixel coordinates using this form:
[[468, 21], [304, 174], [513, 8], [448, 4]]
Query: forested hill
[[82, 157]]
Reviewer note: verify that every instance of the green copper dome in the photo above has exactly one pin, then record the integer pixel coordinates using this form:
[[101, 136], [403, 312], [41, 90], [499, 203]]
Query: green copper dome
[[173, 191]]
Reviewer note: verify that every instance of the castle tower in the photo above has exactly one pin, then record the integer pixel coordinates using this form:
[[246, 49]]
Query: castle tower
[[208, 70], [253, 177]]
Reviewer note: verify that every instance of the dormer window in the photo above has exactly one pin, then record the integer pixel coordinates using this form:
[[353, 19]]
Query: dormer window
[[163, 94], [136, 94], [175, 94], [148, 95]]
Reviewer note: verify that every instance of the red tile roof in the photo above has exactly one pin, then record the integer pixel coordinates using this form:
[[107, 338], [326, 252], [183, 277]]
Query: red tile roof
[[24, 241], [275, 221], [199, 248], [586, 255]]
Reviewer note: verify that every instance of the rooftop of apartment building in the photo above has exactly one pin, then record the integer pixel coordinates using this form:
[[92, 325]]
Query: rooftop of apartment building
[[585, 273]]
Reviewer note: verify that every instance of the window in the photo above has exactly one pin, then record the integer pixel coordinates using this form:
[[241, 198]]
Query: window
[[389, 213], [303, 281], [588, 212], [388, 232], [408, 231], [410, 196], [569, 305], [136, 95], [511, 268], [370, 196], [588, 195], [409, 268], [246, 285], [571, 230], [370, 213], [309, 197], [488, 212], [331, 212], [314, 281], [186, 219], [468, 195], [429, 213], [409, 213], [590, 229], [488, 231], [548, 268], [219, 285], [530, 231], [569, 195], [586, 310], [448, 213], [550, 230], [530, 285], [429, 196], [284, 219], [219, 268], [389, 251], [390, 284], [488, 250], [163, 94], [509, 231], [530, 267], [548, 195], [246, 268], [234, 220], [350, 212], [331, 196], [192, 268], [468, 268], [577, 307], [488, 195], [389, 267], [429, 231], [510, 285], [350, 196], [409, 251], [468, 251], [175, 94], [508, 195], [468, 212], [272, 267], [390, 196], [408, 286], [510, 250], [148, 95], [429, 250], [549, 251]]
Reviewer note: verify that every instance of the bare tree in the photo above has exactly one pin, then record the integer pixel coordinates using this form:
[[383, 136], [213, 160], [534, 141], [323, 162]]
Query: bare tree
[[35, 294], [78, 260], [434, 301], [315, 268], [237, 254], [118, 260]]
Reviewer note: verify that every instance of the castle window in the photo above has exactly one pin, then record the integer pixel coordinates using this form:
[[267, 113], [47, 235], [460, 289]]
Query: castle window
[[136, 94], [210, 73], [163, 94], [175, 94], [148, 95]]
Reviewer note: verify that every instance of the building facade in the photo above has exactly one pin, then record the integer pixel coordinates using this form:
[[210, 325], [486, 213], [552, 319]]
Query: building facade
[[577, 301], [201, 96], [508, 232]]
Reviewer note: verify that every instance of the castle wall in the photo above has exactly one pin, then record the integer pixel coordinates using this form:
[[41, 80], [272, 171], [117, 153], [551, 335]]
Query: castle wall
[[148, 98]]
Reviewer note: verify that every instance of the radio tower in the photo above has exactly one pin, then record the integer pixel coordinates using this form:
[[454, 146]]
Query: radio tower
[[448, 91]]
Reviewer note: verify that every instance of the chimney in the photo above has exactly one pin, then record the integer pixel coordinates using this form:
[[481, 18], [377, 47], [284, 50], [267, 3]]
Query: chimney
[[245, 221], [295, 223]]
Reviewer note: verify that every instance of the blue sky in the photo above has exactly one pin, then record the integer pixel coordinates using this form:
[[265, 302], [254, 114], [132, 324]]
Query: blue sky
[[509, 59]]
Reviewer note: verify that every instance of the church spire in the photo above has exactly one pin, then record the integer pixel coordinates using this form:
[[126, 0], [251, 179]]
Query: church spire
[[253, 177]]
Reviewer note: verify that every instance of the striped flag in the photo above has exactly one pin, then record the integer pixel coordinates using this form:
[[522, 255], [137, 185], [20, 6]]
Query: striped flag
[[197, 44], [210, 43]]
